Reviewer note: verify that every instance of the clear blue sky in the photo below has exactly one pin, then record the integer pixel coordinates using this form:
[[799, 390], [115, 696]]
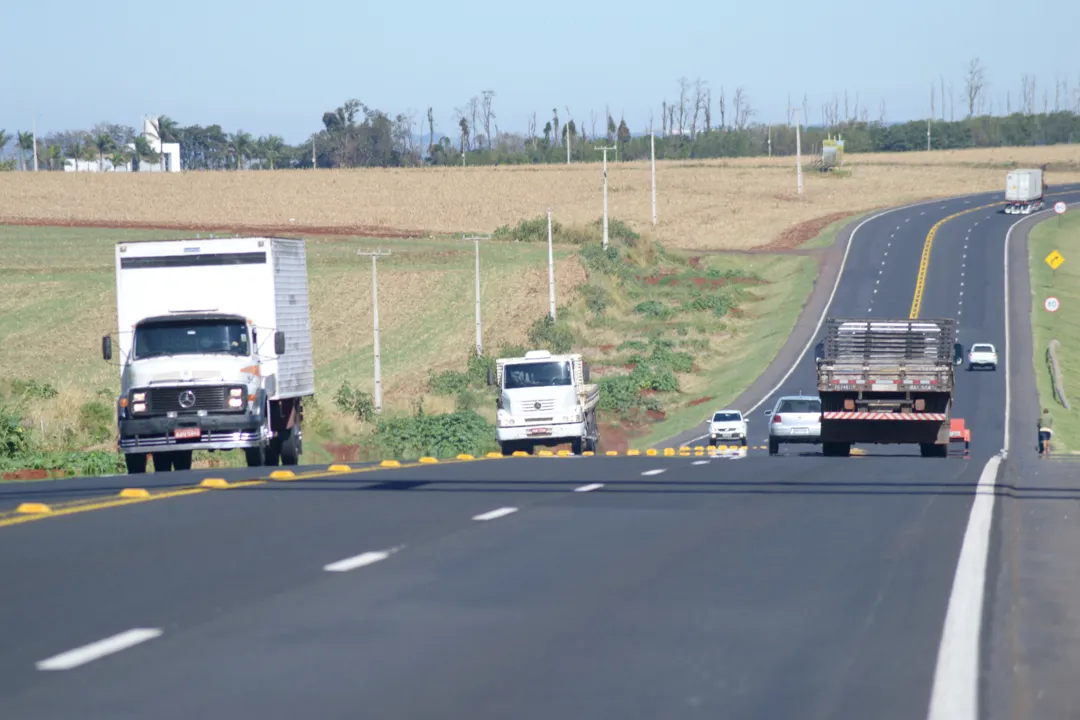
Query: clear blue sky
[[275, 66]]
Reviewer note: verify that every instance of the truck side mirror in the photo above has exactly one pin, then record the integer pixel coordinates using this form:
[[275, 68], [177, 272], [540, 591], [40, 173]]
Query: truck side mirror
[[958, 353], [586, 373], [279, 342], [106, 348], [490, 378], [819, 351]]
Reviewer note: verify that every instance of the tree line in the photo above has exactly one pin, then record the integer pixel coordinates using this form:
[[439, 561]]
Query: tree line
[[692, 125]]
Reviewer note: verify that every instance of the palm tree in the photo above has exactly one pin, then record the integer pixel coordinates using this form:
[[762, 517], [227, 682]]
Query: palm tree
[[167, 131], [90, 152], [54, 153], [120, 158], [272, 146], [74, 151], [143, 151], [26, 145], [240, 144], [4, 137], [103, 143]]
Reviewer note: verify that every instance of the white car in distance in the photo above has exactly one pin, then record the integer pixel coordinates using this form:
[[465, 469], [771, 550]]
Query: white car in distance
[[727, 425], [982, 355]]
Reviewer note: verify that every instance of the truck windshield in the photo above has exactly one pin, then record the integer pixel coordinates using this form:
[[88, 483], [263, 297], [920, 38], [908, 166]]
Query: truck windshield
[[537, 374], [190, 337], [726, 417]]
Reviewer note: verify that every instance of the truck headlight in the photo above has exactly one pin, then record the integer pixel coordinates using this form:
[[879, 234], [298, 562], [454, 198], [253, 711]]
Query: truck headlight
[[138, 407], [138, 397]]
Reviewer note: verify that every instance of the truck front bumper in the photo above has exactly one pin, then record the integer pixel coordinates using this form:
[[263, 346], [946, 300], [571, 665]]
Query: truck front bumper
[[216, 432], [541, 432]]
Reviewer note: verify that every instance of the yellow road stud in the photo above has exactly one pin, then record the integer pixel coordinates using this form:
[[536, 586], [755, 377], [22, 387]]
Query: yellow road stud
[[134, 493]]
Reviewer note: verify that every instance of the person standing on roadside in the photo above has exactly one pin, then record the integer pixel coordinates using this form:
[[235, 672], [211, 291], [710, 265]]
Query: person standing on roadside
[[1046, 424]]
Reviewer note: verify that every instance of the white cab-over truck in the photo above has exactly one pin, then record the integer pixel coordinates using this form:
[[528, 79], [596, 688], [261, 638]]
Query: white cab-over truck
[[1025, 191], [215, 351], [545, 399]]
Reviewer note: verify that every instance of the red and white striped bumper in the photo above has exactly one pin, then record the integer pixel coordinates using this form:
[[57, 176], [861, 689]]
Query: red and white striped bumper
[[940, 417]]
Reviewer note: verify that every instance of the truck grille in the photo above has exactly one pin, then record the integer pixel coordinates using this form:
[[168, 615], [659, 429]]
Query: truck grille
[[538, 406], [202, 397]]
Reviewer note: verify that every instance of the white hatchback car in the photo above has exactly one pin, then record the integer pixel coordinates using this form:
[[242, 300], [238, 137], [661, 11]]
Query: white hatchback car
[[727, 425], [794, 419]]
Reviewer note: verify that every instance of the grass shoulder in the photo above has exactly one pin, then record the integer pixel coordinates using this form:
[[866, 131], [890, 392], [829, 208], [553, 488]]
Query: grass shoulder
[[1061, 234]]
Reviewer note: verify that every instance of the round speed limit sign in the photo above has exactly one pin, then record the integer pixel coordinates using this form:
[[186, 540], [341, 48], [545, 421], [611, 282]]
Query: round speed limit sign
[[1051, 304], [1059, 207]]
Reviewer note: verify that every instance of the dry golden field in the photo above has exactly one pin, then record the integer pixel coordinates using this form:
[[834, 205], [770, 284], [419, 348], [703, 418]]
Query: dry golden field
[[713, 204]]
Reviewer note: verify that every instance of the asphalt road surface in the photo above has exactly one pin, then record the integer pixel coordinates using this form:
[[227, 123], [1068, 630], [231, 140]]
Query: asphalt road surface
[[630, 587]]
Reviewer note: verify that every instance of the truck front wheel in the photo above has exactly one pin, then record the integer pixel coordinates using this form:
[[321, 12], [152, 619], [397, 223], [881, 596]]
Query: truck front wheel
[[256, 456], [290, 446]]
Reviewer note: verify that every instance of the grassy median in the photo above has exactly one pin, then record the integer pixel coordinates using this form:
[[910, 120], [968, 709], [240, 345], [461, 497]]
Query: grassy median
[[1061, 234]]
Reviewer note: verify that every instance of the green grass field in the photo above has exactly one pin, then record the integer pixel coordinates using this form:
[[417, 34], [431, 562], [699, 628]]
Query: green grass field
[[1062, 235], [699, 330]]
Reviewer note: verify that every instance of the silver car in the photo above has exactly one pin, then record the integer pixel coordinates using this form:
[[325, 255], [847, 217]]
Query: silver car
[[794, 419]]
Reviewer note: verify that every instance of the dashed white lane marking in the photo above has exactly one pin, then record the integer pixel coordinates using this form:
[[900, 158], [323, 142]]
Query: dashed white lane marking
[[907, 219], [494, 514], [923, 212], [359, 561], [654, 472], [101, 648], [589, 488], [700, 462]]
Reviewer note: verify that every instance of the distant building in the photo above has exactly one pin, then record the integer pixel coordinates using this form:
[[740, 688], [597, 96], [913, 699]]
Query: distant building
[[169, 152]]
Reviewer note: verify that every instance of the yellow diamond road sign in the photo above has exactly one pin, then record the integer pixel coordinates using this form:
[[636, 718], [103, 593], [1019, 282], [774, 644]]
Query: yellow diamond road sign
[[1054, 260]]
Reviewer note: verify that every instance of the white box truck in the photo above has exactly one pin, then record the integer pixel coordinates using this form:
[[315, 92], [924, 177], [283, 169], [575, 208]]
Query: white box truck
[[545, 399], [1024, 191], [214, 339]]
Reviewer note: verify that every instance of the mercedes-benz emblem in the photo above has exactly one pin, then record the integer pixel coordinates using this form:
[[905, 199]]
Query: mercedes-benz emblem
[[187, 399], [536, 404]]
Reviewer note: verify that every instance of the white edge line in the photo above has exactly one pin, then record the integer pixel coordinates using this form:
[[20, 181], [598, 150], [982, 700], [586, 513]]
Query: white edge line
[[700, 462], [654, 472], [955, 693], [101, 648], [359, 561], [589, 488], [493, 514]]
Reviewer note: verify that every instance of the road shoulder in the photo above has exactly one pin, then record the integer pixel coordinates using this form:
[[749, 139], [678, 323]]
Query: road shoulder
[[1031, 628]]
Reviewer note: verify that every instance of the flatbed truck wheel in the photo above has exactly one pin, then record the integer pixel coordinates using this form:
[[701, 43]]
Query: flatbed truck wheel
[[774, 447], [136, 463]]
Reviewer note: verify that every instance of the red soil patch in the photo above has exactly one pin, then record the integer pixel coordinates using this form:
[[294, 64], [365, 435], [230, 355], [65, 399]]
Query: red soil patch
[[699, 401], [795, 236], [343, 453], [656, 415], [613, 437], [606, 348], [27, 475], [695, 262]]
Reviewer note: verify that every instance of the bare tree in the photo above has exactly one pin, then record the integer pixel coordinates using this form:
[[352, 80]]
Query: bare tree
[[699, 96], [474, 111], [722, 106], [684, 88], [663, 119], [974, 83], [805, 110], [555, 127], [1008, 102], [952, 103], [1046, 102], [743, 111], [592, 123], [671, 119], [790, 110], [932, 93], [708, 110], [942, 78], [532, 130], [488, 114], [847, 113], [881, 113], [1027, 84]]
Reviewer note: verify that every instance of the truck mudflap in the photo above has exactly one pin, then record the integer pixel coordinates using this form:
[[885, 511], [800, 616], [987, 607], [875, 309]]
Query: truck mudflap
[[842, 415]]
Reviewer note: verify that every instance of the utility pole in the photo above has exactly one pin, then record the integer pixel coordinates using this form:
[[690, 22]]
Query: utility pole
[[375, 305], [477, 239], [652, 145], [551, 271], [314, 163], [605, 149], [770, 141], [798, 148], [927, 136], [35, 144]]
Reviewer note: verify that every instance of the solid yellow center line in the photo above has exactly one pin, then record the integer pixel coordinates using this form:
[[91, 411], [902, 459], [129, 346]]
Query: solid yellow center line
[[924, 261]]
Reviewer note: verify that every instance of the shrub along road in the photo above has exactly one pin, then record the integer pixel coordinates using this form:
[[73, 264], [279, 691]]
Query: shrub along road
[[533, 587]]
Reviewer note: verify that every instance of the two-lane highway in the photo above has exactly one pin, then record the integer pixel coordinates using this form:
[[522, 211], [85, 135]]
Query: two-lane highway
[[538, 587]]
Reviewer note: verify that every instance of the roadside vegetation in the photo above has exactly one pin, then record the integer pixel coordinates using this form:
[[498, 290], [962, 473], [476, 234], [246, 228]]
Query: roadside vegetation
[[1062, 235]]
